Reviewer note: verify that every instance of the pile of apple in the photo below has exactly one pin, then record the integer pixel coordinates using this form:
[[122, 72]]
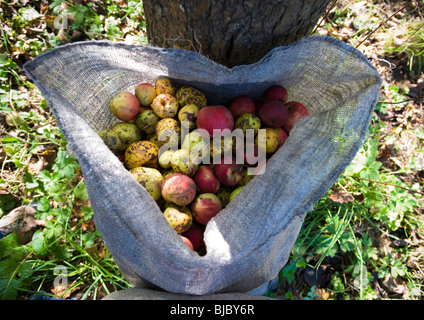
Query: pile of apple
[[190, 193]]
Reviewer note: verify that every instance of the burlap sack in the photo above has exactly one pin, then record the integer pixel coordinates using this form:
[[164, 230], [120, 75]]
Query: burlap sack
[[250, 240]]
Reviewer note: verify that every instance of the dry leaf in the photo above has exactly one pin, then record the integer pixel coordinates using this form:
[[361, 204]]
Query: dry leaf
[[58, 290], [22, 222], [341, 197], [394, 285], [322, 294], [36, 167]]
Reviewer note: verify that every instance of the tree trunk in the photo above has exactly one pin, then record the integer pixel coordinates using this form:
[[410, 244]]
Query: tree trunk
[[230, 32]]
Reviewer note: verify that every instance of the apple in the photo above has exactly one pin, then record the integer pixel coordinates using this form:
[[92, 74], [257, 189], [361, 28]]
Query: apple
[[242, 105], [180, 219], [195, 235], [125, 106], [182, 162], [235, 192], [165, 105], [14, 119], [196, 145], [205, 206], [146, 121], [206, 180], [281, 136], [258, 105], [228, 172], [276, 93], [248, 154], [179, 189], [187, 242], [272, 140], [273, 114], [248, 121], [145, 93], [296, 111], [215, 117], [165, 85], [190, 95], [188, 115], [140, 153]]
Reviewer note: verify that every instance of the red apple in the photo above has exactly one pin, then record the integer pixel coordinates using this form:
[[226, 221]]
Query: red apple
[[273, 114], [228, 172], [276, 92], [258, 105], [215, 117], [206, 180], [282, 136], [195, 235], [296, 111], [120, 155], [242, 105], [187, 242], [204, 207], [178, 188]]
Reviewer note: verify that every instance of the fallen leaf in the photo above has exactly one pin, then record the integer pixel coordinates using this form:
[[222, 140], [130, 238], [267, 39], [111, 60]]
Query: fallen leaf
[[48, 153], [322, 294], [22, 222], [341, 197], [358, 197], [36, 167], [58, 290], [381, 293], [393, 285]]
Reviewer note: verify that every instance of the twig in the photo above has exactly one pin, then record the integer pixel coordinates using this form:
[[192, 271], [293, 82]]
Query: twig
[[13, 136], [46, 124], [381, 24], [391, 184], [403, 101], [325, 16], [422, 25]]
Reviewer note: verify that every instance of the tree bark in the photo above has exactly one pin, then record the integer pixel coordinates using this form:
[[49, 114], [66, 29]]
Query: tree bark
[[230, 32]]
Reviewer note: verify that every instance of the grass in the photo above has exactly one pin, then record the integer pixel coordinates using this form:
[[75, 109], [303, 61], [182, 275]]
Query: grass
[[368, 229], [408, 41], [343, 231], [36, 168], [362, 240]]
